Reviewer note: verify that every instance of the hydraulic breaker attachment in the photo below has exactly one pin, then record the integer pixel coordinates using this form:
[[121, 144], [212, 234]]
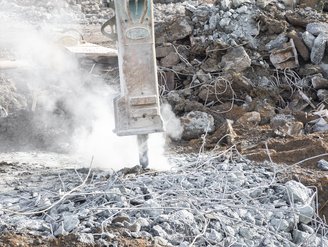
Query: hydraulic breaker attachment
[[137, 109]]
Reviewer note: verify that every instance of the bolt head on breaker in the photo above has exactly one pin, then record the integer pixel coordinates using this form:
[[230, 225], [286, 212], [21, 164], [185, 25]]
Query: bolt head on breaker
[[137, 109]]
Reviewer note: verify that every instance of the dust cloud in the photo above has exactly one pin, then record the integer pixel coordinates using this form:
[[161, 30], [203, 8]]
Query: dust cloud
[[63, 97]]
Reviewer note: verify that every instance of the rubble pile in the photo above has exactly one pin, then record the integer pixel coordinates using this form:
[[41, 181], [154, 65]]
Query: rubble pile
[[251, 63], [210, 199]]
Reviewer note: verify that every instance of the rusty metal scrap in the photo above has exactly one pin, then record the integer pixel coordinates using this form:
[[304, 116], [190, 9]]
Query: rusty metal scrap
[[286, 57]]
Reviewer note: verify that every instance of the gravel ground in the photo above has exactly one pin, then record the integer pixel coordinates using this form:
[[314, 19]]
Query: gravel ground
[[204, 200]]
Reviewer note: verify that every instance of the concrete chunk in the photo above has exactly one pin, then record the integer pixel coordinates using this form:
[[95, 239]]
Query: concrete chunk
[[297, 192], [318, 49]]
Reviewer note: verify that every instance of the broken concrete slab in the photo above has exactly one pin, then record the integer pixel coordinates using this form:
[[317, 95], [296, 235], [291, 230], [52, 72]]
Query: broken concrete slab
[[196, 123], [179, 29], [170, 60], [236, 59]]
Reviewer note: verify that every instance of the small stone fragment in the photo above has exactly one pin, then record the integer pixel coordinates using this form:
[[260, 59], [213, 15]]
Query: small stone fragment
[[60, 231], [121, 219], [226, 4], [71, 221], [237, 3], [170, 60], [86, 238], [262, 3], [133, 227], [277, 42], [246, 232], [159, 231], [310, 69], [203, 76], [324, 69], [285, 125], [279, 224], [183, 216], [323, 165], [318, 82], [250, 118], [322, 94], [305, 213], [215, 237], [159, 241], [153, 208], [297, 192], [300, 237], [320, 125]]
